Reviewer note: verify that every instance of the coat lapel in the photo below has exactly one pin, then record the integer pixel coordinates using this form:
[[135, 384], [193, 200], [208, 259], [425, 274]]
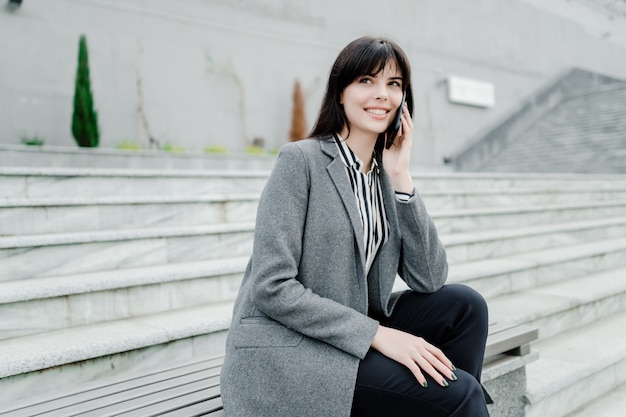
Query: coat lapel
[[337, 171]]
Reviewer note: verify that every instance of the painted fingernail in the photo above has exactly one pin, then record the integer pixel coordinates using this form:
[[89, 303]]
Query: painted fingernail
[[445, 383], [425, 384], [453, 376], [453, 367]]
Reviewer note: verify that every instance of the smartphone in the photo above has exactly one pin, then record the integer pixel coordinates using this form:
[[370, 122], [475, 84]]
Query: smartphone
[[397, 122]]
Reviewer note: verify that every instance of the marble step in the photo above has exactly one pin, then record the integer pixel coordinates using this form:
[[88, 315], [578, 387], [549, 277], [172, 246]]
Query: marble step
[[84, 182], [516, 197], [514, 180], [611, 404], [60, 215], [487, 244], [577, 367], [463, 220], [494, 277], [39, 363], [566, 305], [39, 256], [92, 297], [72, 156], [44, 304]]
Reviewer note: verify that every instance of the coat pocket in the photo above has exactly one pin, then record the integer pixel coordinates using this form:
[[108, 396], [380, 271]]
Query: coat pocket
[[262, 332]]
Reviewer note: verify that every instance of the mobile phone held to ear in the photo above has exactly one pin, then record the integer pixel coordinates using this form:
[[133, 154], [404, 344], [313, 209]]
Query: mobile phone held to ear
[[395, 125]]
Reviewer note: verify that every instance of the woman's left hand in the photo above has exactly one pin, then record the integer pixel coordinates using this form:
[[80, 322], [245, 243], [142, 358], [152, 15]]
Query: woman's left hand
[[397, 159]]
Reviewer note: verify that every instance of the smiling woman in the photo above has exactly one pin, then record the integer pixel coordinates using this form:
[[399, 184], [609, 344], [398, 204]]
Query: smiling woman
[[316, 327], [371, 100]]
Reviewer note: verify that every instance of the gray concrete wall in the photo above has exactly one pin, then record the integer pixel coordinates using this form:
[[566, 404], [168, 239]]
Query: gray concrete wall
[[218, 72]]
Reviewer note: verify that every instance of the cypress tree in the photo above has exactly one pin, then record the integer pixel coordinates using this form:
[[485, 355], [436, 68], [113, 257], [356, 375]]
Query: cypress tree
[[298, 117], [85, 118]]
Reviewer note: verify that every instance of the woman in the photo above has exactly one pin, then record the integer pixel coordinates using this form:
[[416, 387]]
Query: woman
[[316, 329]]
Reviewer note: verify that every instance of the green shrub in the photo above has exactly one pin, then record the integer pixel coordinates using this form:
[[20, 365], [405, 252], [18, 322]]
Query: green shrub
[[84, 118], [168, 147], [32, 141], [128, 145], [216, 149], [254, 150]]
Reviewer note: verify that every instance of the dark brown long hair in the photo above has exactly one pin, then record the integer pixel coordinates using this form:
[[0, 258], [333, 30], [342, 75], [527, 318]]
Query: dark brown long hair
[[363, 56]]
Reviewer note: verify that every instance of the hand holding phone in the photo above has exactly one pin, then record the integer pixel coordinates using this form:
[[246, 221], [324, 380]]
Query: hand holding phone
[[395, 125]]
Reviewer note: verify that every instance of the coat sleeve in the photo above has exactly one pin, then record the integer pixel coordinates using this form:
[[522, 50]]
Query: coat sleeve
[[423, 261], [277, 249]]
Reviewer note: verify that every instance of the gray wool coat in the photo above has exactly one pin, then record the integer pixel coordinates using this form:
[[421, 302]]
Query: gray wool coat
[[300, 322]]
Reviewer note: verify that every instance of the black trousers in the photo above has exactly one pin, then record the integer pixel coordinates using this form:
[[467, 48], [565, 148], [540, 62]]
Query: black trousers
[[453, 319]]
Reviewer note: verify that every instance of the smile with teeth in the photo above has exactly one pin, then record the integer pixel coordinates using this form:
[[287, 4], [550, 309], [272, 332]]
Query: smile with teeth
[[377, 111]]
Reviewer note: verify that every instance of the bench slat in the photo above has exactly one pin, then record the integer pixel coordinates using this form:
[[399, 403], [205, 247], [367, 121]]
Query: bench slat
[[203, 400], [111, 386], [148, 395], [195, 404], [95, 405], [212, 407], [503, 339]]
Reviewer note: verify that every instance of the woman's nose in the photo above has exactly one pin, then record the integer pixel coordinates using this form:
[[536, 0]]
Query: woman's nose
[[381, 94]]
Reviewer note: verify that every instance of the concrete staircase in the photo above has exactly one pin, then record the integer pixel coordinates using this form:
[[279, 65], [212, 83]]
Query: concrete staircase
[[573, 124], [585, 133], [110, 271]]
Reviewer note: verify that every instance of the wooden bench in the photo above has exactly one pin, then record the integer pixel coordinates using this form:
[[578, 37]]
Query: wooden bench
[[192, 388]]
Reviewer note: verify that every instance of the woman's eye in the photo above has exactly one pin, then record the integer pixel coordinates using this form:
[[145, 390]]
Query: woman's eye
[[395, 84], [365, 80]]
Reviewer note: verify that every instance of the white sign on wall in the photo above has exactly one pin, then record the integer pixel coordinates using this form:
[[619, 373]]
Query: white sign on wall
[[471, 92]]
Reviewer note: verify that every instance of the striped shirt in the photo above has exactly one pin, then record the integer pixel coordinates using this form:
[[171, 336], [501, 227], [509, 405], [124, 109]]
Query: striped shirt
[[369, 200]]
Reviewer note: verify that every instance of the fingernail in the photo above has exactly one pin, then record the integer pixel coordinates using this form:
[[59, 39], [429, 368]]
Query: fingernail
[[453, 367], [425, 384], [445, 383], [453, 376]]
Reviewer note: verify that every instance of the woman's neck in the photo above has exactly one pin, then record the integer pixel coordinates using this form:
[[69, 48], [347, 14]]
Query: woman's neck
[[362, 146]]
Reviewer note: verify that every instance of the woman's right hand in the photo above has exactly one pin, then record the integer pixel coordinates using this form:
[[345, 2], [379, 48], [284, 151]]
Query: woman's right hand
[[415, 353]]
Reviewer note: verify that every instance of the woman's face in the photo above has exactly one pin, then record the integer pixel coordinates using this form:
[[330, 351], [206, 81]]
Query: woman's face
[[371, 101]]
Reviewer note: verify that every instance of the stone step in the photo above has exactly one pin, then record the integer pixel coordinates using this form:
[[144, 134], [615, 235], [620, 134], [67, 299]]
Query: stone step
[[577, 367], [611, 404], [39, 256], [505, 181], [576, 143], [480, 198], [562, 306], [467, 220], [86, 298], [64, 156], [477, 245], [83, 182], [36, 364], [61, 215], [44, 304], [495, 277]]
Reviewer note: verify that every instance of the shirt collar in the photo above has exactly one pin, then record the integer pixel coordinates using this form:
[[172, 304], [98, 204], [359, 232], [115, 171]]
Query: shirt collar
[[349, 158]]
